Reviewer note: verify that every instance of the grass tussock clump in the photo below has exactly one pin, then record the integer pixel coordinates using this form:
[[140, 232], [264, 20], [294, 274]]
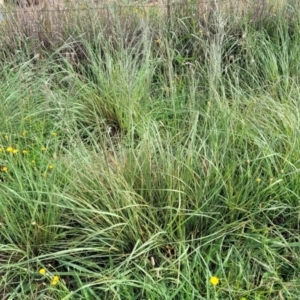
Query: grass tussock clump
[[153, 156]]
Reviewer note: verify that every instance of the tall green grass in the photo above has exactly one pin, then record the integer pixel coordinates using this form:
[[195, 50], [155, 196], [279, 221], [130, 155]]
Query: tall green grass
[[154, 161]]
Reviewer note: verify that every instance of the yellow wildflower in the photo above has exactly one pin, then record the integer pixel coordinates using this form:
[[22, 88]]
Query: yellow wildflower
[[4, 169], [43, 148], [42, 271], [55, 280], [9, 149], [15, 151], [214, 280], [54, 134], [258, 180], [50, 167], [24, 151]]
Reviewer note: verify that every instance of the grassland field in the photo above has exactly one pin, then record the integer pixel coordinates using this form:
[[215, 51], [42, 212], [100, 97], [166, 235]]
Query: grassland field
[[150, 151]]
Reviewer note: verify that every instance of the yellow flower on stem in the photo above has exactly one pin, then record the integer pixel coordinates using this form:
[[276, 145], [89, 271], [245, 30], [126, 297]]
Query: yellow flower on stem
[[4, 169], [15, 151], [55, 280], [258, 180], [43, 148], [42, 271], [214, 280], [9, 149]]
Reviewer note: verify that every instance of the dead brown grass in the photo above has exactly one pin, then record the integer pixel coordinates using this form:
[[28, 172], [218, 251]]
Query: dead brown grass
[[49, 23]]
